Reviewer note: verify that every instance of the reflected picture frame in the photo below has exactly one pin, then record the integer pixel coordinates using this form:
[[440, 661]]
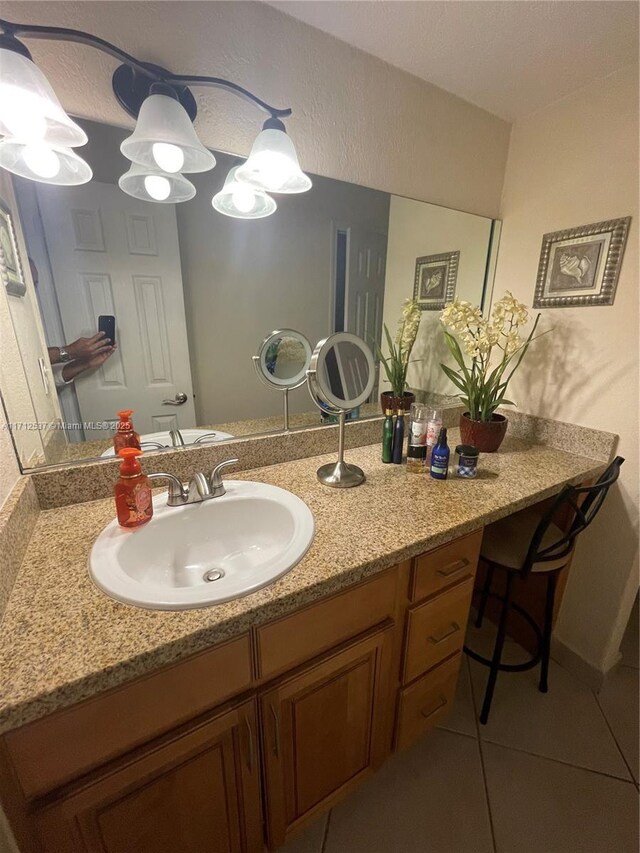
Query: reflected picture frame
[[435, 280], [581, 266], [11, 270]]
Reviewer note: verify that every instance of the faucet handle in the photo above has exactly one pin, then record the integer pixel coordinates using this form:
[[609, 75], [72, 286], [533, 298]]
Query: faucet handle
[[177, 494], [216, 475]]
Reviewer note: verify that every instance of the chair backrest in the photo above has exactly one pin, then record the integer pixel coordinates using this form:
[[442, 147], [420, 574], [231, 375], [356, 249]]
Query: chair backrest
[[584, 502]]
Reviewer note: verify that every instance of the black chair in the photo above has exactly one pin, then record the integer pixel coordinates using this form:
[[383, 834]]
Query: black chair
[[526, 543]]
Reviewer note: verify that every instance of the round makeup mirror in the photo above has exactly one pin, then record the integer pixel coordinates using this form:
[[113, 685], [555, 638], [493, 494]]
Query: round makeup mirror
[[341, 377], [283, 358], [282, 362]]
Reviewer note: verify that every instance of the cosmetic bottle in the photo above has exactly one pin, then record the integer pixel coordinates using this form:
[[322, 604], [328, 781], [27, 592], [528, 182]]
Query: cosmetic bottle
[[398, 439], [387, 436], [125, 435], [434, 425], [417, 444], [132, 491], [440, 457]]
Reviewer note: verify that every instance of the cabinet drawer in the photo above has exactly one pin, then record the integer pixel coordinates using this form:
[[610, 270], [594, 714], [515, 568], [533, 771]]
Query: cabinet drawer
[[58, 748], [436, 629], [306, 633], [448, 564], [427, 702]]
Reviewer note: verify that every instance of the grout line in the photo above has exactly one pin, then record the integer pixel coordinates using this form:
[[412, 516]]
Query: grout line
[[615, 739], [481, 754], [326, 833], [443, 728], [561, 761]]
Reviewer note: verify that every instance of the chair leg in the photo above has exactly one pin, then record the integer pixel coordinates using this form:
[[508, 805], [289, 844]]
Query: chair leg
[[497, 653], [546, 632], [484, 596]]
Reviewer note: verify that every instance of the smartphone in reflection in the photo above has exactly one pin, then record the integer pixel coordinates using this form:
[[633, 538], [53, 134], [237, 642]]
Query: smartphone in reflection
[[107, 324]]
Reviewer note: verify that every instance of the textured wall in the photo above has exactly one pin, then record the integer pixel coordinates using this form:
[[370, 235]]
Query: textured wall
[[355, 117], [574, 163]]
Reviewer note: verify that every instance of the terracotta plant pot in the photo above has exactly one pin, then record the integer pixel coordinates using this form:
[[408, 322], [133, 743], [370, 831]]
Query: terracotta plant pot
[[487, 436], [388, 400]]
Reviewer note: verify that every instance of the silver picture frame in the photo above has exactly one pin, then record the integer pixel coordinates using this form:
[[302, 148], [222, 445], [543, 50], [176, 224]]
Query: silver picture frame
[[581, 266], [435, 280], [11, 270]]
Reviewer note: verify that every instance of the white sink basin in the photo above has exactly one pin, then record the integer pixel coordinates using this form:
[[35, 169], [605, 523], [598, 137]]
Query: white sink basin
[[244, 540], [189, 436]]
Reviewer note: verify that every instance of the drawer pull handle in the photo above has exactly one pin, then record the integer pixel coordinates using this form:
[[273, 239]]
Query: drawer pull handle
[[439, 706], [276, 731], [453, 568], [250, 753], [453, 630]]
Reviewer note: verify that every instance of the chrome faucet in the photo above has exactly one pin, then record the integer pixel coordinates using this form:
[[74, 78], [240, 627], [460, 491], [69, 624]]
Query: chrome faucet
[[201, 487], [176, 438]]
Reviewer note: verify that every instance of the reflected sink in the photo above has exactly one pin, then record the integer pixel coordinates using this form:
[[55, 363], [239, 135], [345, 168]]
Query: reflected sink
[[204, 553], [203, 436]]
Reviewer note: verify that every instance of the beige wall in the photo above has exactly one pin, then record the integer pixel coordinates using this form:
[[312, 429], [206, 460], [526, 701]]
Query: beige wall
[[415, 230], [571, 164], [355, 117]]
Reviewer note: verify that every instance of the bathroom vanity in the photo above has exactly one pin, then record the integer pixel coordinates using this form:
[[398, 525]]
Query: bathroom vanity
[[231, 727]]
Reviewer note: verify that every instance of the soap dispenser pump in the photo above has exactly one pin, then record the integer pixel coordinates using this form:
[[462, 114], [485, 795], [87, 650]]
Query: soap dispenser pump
[[132, 491], [125, 435]]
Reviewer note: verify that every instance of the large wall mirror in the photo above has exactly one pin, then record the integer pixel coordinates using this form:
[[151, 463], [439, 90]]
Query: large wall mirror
[[194, 292]]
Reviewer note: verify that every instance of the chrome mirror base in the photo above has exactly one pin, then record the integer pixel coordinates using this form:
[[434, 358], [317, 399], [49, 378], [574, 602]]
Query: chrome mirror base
[[341, 475]]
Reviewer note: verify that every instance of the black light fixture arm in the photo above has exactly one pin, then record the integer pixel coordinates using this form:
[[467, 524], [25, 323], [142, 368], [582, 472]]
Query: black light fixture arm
[[153, 72]]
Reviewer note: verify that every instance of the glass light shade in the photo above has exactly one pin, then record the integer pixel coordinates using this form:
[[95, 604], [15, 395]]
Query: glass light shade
[[273, 164], [164, 138], [29, 109], [241, 200], [155, 185], [49, 164]]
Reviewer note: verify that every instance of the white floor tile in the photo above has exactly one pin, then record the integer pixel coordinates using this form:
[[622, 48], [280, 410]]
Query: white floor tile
[[565, 724], [462, 718], [541, 806], [428, 799], [619, 702]]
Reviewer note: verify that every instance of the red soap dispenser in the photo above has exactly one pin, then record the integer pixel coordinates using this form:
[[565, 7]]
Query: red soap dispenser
[[132, 491], [125, 435]]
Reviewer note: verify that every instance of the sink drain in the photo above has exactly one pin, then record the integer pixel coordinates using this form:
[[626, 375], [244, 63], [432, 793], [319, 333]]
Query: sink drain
[[212, 575]]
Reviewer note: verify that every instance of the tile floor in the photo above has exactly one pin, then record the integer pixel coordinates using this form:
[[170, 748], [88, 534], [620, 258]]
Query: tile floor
[[548, 774]]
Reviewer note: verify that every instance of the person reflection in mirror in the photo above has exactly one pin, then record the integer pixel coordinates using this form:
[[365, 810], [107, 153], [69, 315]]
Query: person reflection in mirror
[[83, 354]]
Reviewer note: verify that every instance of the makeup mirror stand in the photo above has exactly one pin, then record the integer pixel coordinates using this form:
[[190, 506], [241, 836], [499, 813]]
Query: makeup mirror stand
[[341, 474], [284, 389]]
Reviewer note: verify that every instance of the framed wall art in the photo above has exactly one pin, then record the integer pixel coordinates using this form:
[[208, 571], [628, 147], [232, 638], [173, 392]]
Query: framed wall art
[[10, 266], [435, 281], [581, 266]]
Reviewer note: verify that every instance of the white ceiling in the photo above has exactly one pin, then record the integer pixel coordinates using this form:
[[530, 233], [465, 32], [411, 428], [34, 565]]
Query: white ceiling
[[510, 57]]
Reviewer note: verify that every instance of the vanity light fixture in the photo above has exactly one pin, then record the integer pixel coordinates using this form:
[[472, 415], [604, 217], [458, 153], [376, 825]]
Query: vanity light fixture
[[39, 135], [164, 137], [149, 184], [241, 200], [273, 163]]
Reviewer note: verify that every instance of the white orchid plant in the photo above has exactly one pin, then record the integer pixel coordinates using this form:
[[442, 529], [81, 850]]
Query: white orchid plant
[[398, 360], [484, 387]]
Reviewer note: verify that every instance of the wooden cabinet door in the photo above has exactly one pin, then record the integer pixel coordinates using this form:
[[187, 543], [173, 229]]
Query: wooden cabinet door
[[198, 793], [324, 730]]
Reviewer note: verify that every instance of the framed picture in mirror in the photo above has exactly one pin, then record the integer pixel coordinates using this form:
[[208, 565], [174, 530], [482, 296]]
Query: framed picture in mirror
[[10, 266], [435, 280]]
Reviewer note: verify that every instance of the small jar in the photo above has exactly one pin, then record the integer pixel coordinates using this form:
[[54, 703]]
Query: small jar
[[467, 462]]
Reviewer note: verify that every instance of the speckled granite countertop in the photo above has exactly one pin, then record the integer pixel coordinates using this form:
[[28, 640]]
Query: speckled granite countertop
[[62, 640]]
